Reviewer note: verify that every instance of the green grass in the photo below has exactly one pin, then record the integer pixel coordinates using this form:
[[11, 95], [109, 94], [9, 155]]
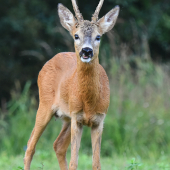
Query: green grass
[[137, 124], [46, 160]]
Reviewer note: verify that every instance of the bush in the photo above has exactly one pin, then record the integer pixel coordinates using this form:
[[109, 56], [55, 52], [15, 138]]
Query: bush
[[137, 121]]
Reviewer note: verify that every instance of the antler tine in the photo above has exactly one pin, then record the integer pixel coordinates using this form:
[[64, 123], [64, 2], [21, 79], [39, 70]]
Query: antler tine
[[77, 12], [96, 13]]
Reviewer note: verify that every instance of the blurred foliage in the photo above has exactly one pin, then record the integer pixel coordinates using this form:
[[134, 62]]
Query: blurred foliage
[[137, 122], [30, 34], [138, 119], [116, 162]]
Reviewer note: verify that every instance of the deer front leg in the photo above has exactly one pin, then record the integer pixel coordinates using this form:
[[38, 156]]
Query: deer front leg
[[43, 117], [76, 133], [96, 136]]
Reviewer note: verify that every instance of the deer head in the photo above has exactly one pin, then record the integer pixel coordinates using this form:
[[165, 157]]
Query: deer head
[[86, 33]]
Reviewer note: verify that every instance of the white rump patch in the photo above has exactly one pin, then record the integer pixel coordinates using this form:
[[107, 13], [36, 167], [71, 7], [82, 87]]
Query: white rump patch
[[60, 113], [57, 111]]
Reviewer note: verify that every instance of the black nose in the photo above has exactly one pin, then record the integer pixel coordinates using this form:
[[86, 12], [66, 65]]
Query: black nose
[[87, 51]]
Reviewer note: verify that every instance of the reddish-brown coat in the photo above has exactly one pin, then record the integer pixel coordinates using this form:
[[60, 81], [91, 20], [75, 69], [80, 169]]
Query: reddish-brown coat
[[74, 86], [75, 89]]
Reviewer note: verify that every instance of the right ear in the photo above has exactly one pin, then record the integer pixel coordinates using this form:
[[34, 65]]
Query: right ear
[[66, 17], [107, 22]]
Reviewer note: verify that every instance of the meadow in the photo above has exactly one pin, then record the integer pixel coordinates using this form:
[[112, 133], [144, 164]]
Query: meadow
[[136, 130]]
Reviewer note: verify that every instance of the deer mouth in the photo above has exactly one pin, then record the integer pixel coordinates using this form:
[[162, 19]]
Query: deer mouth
[[85, 59], [86, 54]]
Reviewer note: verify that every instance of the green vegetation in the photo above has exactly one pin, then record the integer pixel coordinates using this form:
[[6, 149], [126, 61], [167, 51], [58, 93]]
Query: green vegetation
[[43, 160], [136, 130], [135, 55], [30, 34]]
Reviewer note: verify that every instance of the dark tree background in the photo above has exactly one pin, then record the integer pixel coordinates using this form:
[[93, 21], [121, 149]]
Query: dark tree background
[[30, 34]]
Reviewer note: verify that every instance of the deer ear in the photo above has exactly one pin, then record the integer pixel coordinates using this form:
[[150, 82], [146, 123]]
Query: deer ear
[[107, 22], [66, 17]]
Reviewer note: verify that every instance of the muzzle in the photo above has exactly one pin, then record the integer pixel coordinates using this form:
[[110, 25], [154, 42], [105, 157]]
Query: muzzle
[[86, 53]]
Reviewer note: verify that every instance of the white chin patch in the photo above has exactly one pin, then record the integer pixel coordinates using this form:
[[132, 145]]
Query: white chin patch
[[85, 60]]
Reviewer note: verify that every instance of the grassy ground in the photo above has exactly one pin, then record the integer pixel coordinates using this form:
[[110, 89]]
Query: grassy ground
[[137, 124], [44, 160]]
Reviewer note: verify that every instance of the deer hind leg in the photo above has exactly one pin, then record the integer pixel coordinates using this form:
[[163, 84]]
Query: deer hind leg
[[96, 135], [76, 133], [43, 117], [61, 144]]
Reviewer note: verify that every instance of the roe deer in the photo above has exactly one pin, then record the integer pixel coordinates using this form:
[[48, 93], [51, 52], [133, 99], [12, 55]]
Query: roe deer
[[75, 88]]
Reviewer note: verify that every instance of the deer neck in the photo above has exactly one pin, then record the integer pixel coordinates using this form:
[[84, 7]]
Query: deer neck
[[88, 83]]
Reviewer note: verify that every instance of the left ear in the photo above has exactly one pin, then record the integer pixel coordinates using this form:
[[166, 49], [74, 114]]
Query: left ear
[[67, 19], [107, 22]]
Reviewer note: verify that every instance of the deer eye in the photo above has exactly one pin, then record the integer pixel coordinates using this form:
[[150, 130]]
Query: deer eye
[[98, 38], [76, 37]]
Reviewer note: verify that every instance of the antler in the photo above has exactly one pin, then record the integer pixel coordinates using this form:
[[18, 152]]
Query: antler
[[77, 12], [96, 13]]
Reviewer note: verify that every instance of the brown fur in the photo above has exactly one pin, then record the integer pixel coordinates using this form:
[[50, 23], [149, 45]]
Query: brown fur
[[78, 87], [76, 91]]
